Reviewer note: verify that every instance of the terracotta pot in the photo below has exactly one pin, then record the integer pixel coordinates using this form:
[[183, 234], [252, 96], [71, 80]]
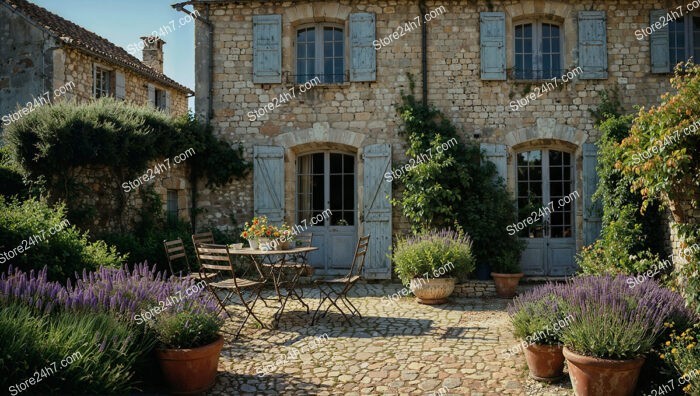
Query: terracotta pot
[[593, 376], [546, 362], [506, 284], [432, 291], [190, 371]]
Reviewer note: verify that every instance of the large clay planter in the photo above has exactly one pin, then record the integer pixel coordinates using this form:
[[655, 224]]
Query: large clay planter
[[432, 291], [592, 376], [506, 284], [190, 371], [546, 362]]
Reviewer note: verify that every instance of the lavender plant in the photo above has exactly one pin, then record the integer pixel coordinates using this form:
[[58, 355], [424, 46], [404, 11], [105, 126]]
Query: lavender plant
[[433, 254], [539, 315], [613, 321]]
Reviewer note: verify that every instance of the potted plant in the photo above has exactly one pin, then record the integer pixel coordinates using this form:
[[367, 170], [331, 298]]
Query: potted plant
[[189, 344], [256, 231], [538, 318], [506, 273], [429, 261], [613, 328]]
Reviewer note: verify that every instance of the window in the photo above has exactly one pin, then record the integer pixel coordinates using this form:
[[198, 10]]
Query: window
[[103, 82], [320, 53], [172, 200], [538, 51], [684, 39], [160, 102]]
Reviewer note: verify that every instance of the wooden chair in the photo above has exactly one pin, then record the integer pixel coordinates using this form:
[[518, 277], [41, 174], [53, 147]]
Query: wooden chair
[[175, 250], [337, 289], [203, 237], [217, 259]]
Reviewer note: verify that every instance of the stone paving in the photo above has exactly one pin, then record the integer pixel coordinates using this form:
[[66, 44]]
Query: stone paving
[[401, 348]]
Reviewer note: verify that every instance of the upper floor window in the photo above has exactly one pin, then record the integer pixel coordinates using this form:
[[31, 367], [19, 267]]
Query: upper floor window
[[538, 51], [684, 39], [320, 52], [103, 82]]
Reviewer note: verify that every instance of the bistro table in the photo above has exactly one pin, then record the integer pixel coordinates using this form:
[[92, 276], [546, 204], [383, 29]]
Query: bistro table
[[274, 263]]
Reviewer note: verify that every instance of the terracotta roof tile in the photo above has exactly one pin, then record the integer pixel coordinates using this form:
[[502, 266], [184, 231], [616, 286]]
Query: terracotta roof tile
[[87, 41]]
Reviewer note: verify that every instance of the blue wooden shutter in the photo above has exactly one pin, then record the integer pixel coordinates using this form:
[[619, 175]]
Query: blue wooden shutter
[[120, 86], [376, 212], [498, 154], [658, 43], [592, 45], [268, 182], [493, 45], [267, 49], [592, 210], [363, 56]]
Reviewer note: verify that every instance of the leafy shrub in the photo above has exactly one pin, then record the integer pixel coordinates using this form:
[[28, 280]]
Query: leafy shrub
[[11, 182], [443, 253], [613, 321], [682, 351], [537, 315], [456, 185], [53, 141], [104, 351], [630, 242], [25, 229]]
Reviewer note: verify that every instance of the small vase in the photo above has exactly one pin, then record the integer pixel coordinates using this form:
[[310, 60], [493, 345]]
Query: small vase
[[253, 244]]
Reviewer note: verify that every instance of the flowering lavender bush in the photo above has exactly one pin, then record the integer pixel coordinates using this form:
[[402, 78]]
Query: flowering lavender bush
[[433, 254], [613, 321], [121, 292], [537, 315]]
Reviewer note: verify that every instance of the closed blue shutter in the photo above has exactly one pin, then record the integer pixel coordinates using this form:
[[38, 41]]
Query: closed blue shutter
[[268, 182], [498, 154], [592, 45], [376, 213], [267, 49], [492, 29], [592, 210], [363, 56], [658, 41]]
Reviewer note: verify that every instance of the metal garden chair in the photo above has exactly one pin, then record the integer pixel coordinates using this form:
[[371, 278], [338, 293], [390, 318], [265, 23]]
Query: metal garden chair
[[175, 250], [217, 259], [335, 290]]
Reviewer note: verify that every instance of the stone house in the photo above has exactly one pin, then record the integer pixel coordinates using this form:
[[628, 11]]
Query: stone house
[[44, 57], [518, 77]]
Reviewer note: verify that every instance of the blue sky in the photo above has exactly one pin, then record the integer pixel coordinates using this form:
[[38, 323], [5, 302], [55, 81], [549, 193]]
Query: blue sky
[[123, 21]]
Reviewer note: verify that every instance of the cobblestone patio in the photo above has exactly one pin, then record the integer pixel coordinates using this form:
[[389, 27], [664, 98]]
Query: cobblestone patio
[[398, 349]]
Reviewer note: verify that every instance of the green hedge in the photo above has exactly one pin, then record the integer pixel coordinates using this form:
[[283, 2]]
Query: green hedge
[[34, 234]]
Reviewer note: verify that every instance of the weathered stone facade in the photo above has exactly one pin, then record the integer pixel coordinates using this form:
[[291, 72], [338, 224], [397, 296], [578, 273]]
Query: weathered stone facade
[[352, 115]]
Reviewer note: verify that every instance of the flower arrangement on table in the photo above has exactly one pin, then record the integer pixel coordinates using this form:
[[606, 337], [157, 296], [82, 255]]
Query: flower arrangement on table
[[259, 233]]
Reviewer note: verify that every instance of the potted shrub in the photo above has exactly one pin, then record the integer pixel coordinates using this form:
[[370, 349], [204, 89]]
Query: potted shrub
[[189, 345], [613, 328], [428, 262], [506, 273], [538, 318]]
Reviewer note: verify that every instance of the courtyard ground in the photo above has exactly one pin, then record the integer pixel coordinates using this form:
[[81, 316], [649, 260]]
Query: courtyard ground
[[401, 348]]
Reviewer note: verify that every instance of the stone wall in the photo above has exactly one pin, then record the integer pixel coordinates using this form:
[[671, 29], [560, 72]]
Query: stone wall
[[480, 109], [114, 208], [25, 71]]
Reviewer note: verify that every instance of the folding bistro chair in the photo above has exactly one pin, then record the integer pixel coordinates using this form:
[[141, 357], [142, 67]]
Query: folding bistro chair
[[175, 250], [203, 237], [337, 289], [217, 259]]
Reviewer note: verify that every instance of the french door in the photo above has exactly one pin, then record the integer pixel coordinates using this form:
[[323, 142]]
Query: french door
[[545, 199], [326, 180]]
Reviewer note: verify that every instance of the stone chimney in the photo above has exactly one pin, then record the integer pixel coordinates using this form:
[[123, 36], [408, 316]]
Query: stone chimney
[[153, 52]]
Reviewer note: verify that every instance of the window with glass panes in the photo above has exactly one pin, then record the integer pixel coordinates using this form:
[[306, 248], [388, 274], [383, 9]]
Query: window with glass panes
[[684, 39], [103, 82], [320, 52], [538, 51]]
